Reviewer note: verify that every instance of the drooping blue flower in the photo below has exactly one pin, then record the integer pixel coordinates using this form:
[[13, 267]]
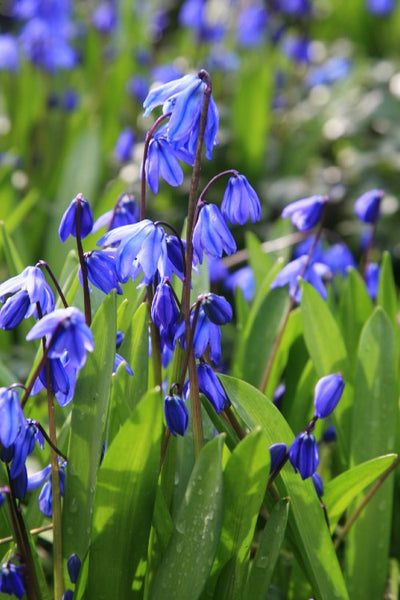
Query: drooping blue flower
[[29, 288], [206, 335], [339, 259], [327, 393], [68, 221], [251, 25], [176, 414], [104, 18], [381, 8], [24, 444], [164, 310], [142, 247], [304, 455], [367, 207], [125, 212], [240, 202], [318, 484], [297, 268], [183, 98], [124, 145], [175, 251], [101, 270], [11, 416], [45, 499], [8, 53], [120, 360], [73, 567], [211, 234], [244, 279], [63, 379], [305, 213], [211, 387], [163, 160], [12, 579], [68, 332], [217, 308], [278, 452], [372, 273]]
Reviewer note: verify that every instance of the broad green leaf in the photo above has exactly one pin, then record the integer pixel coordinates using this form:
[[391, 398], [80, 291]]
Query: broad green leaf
[[259, 336], [194, 541], [387, 294], [87, 431], [124, 504], [355, 308], [341, 491], [267, 552], [373, 434], [135, 348], [309, 532], [245, 477]]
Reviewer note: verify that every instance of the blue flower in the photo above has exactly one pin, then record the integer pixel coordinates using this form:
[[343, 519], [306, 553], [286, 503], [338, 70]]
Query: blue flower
[[176, 414], [297, 268], [305, 213], [240, 202], [119, 360], [243, 278], [73, 567], [104, 18], [125, 212], [194, 14], [251, 25], [142, 247], [367, 207], [47, 46], [327, 394], [11, 416], [339, 259], [278, 452], [211, 234], [45, 499], [217, 308], [329, 434], [101, 270], [298, 8], [8, 53], [183, 98], [304, 455], [297, 48], [372, 273], [29, 288], [24, 444], [162, 159], [211, 387], [381, 8], [68, 221], [12, 579], [175, 251], [206, 335], [318, 484], [68, 332], [124, 145], [164, 310]]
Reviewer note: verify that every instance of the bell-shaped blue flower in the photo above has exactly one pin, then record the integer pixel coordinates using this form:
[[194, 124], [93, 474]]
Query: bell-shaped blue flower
[[240, 202], [304, 455], [277, 452], [327, 394], [372, 273], [175, 254], [164, 310], [305, 213], [11, 416], [163, 160], [124, 145], [125, 212], [206, 335], [211, 234], [217, 308], [176, 414], [45, 499], [24, 444], [29, 288], [142, 248], [211, 387], [68, 332], [69, 219], [297, 268], [367, 207], [12, 579], [101, 270]]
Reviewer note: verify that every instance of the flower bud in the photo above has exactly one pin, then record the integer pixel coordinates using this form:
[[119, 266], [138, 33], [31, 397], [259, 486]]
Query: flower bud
[[327, 394], [176, 414]]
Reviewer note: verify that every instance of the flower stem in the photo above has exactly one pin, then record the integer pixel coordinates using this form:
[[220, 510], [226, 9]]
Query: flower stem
[[43, 263], [86, 292], [215, 178]]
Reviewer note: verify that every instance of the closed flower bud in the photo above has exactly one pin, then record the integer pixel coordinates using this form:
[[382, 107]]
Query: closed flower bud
[[69, 219], [217, 308], [240, 202], [176, 414], [73, 566], [367, 207], [278, 452], [319, 486], [327, 394], [211, 387], [164, 310], [372, 273], [304, 455]]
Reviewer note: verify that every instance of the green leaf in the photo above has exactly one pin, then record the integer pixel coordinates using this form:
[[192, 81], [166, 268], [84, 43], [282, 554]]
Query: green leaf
[[194, 541], [268, 551], [307, 525], [87, 429], [124, 504], [12, 258], [259, 336], [374, 434], [245, 478], [135, 348], [259, 261], [341, 491]]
